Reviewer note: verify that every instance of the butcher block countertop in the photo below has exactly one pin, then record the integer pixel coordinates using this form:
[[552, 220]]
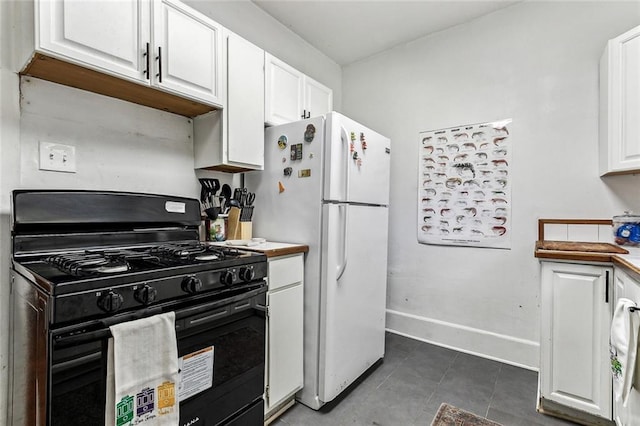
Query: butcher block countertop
[[268, 248], [626, 257]]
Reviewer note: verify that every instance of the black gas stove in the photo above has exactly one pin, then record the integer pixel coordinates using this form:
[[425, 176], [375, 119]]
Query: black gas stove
[[86, 260], [96, 283]]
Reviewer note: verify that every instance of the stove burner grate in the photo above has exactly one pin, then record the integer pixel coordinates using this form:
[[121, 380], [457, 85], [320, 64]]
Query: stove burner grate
[[189, 252], [92, 262]]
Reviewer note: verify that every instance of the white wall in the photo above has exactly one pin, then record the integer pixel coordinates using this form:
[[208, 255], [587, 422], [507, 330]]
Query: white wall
[[9, 141], [119, 146], [534, 62]]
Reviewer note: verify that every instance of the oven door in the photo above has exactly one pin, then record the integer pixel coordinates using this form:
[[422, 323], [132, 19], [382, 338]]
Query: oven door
[[233, 331]]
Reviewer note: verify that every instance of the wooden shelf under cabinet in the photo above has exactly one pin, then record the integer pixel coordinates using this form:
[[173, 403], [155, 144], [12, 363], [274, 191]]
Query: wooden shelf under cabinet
[[68, 74]]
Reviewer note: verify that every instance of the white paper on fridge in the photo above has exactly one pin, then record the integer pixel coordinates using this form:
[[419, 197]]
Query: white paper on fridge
[[464, 185]]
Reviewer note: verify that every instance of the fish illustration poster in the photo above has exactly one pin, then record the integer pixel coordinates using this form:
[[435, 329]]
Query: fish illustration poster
[[464, 186]]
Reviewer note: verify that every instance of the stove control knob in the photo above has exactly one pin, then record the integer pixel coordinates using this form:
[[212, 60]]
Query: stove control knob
[[111, 301], [191, 284], [145, 294], [246, 274], [226, 277]]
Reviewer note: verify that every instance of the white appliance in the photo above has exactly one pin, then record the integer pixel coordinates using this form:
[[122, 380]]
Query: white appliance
[[315, 191]]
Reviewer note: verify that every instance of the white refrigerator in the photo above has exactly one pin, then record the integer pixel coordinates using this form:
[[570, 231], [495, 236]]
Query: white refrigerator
[[326, 184]]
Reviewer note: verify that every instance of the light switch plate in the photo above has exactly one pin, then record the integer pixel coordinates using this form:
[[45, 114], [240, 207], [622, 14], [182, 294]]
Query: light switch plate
[[57, 157]]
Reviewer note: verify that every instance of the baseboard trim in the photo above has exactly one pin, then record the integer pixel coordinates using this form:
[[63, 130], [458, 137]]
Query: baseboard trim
[[499, 347]]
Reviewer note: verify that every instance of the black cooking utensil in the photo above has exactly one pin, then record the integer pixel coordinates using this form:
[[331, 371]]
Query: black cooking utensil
[[212, 212], [225, 197], [251, 197], [203, 192]]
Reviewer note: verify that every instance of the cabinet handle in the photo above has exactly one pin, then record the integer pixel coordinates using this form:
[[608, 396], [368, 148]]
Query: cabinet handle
[[159, 58], [146, 55], [308, 114], [304, 113], [606, 287]]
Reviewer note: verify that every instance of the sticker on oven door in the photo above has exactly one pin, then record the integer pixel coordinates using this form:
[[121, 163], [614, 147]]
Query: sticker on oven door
[[196, 373], [175, 207]]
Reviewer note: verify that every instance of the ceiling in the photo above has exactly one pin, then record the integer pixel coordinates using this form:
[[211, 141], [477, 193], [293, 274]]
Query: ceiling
[[347, 31]]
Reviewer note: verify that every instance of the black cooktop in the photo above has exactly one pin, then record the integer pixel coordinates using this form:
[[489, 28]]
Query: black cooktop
[[99, 268]]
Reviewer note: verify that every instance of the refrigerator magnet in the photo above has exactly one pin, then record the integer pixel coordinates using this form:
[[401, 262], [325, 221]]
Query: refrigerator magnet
[[363, 142], [296, 152], [280, 187], [287, 171], [310, 133], [304, 173], [282, 142], [353, 136]]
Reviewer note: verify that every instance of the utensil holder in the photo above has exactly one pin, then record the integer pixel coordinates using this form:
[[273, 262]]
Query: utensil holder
[[237, 230]]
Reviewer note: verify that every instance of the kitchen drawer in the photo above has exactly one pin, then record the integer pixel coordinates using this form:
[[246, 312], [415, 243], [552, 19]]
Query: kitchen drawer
[[285, 270]]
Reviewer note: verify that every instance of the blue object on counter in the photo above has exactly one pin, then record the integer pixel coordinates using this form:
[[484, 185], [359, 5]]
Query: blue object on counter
[[634, 234], [624, 231]]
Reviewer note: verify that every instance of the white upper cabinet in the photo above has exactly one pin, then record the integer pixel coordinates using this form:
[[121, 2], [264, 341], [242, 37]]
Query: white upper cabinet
[[233, 140], [620, 105], [283, 92], [158, 44], [290, 95], [108, 35], [318, 98], [187, 52]]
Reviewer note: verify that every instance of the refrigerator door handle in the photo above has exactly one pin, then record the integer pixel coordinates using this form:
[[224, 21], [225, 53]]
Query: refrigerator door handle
[[344, 217], [345, 138]]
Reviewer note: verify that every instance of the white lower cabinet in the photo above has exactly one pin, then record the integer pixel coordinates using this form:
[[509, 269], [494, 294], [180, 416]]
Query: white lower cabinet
[[575, 318], [628, 415], [284, 374]]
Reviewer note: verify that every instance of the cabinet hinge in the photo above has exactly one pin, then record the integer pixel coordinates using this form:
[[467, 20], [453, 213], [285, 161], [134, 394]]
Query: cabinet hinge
[[266, 393]]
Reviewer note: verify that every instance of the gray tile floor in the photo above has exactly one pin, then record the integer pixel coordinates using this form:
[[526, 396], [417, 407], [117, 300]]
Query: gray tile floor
[[416, 377]]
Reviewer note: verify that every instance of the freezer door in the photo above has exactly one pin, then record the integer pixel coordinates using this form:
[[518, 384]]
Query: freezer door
[[357, 162], [353, 296], [289, 189]]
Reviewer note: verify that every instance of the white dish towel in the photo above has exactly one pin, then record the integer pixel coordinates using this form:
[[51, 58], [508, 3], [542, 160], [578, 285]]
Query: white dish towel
[[142, 373], [623, 348]]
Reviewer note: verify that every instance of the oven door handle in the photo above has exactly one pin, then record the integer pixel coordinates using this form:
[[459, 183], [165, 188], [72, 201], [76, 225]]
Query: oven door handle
[[65, 338], [62, 340]]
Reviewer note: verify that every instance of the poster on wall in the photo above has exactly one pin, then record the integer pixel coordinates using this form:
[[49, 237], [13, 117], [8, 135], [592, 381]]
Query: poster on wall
[[464, 186]]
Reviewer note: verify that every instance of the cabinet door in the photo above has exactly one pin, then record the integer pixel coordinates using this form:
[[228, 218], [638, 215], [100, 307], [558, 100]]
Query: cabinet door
[[110, 36], [575, 318], [627, 287], [245, 102], [620, 104], [187, 52], [283, 92], [318, 98], [284, 357]]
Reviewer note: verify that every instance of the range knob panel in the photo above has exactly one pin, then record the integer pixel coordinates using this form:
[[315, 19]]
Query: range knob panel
[[110, 301], [145, 294], [226, 278], [246, 273], [191, 284]]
